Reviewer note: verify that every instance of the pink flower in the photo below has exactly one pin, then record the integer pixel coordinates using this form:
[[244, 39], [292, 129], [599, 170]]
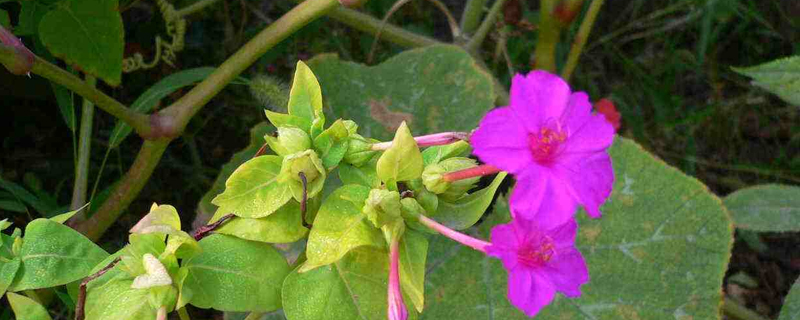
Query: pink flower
[[553, 144], [396, 308], [539, 262]]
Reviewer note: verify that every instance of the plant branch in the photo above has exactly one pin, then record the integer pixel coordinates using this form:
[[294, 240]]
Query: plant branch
[[580, 39], [203, 231], [188, 105], [471, 17], [390, 32], [79, 307], [84, 152], [477, 39], [138, 121], [549, 33]]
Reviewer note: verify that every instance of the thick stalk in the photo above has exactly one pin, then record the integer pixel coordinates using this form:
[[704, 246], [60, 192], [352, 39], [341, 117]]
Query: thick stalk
[[84, 152], [139, 122], [188, 105], [549, 33], [477, 40], [580, 39], [471, 17], [175, 117], [389, 32]]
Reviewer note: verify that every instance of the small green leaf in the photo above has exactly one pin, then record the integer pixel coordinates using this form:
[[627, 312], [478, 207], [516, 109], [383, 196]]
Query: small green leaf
[[791, 305], [8, 270], [139, 245], [26, 309], [305, 98], [403, 161], [466, 211], [310, 165], [340, 226], [770, 208], [781, 77], [283, 226], [288, 120], [61, 218], [351, 288], [3, 225], [13, 206], [27, 197], [413, 250], [66, 105], [159, 215], [233, 274], [435, 154], [86, 33], [53, 254], [148, 100], [114, 299], [332, 144], [364, 175], [253, 190], [289, 140]]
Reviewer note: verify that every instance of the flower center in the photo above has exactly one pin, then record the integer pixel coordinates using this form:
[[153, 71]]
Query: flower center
[[546, 144], [536, 254]]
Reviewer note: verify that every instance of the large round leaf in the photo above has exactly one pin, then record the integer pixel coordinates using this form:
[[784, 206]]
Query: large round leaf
[[659, 252], [436, 88]]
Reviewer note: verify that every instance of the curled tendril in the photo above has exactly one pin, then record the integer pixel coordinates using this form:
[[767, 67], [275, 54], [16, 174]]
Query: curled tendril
[[165, 51]]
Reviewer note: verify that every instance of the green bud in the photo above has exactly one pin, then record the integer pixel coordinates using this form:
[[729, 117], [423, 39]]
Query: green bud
[[432, 178], [411, 209], [290, 140], [359, 150], [270, 92], [351, 126], [382, 207], [310, 165]]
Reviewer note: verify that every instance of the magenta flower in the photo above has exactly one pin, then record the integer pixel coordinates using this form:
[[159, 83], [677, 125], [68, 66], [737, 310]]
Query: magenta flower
[[396, 308], [553, 144], [539, 262]]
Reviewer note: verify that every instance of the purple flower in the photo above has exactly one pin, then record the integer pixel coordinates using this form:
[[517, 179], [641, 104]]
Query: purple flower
[[553, 144], [540, 261]]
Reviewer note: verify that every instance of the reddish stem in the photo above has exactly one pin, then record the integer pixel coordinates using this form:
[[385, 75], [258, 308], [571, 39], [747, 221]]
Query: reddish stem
[[203, 231], [479, 171], [459, 237], [79, 308]]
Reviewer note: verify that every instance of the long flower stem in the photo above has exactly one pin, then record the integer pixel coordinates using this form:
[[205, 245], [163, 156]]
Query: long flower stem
[[549, 33], [471, 17], [488, 22], [179, 113], [396, 307], [479, 171], [459, 237], [436, 139], [84, 151], [580, 39]]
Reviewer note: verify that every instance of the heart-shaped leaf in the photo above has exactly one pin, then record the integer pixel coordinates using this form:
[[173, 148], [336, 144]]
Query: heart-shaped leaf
[[253, 189], [770, 208], [434, 89], [660, 251], [403, 161], [88, 34]]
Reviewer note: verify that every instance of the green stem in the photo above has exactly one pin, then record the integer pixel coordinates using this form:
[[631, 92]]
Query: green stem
[[549, 33], [139, 122], [254, 315], [194, 8], [472, 15], [127, 190], [477, 40], [84, 151], [183, 314], [736, 311], [580, 39], [390, 32], [188, 105]]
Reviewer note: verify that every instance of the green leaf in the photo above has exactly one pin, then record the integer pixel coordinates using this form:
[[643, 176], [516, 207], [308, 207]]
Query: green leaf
[[287, 120], [86, 33], [25, 196], [332, 144], [236, 275], [53, 254], [5, 21], [159, 215], [13, 206], [351, 288], [31, 13], [435, 154], [3, 225], [8, 270], [403, 161], [66, 105], [660, 251], [305, 98], [61, 218], [364, 175], [340, 226], [256, 141], [434, 89], [26, 308], [781, 77], [114, 299], [770, 208], [253, 190], [413, 250], [283, 226], [791, 305], [150, 98], [466, 211]]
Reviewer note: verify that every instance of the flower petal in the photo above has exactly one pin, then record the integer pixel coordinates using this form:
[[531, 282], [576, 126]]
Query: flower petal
[[544, 197], [577, 112], [593, 135], [504, 245], [567, 271], [528, 291], [564, 235], [537, 97], [502, 141], [593, 182]]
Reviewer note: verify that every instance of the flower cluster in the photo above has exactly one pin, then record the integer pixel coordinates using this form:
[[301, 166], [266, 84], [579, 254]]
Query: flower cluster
[[556, 148]]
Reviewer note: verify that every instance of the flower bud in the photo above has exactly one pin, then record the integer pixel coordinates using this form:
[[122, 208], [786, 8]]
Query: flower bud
[[290, 140], [382, 207], [432, 177], [23, 58], [566, 11], [359, 150], [310, 165]]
